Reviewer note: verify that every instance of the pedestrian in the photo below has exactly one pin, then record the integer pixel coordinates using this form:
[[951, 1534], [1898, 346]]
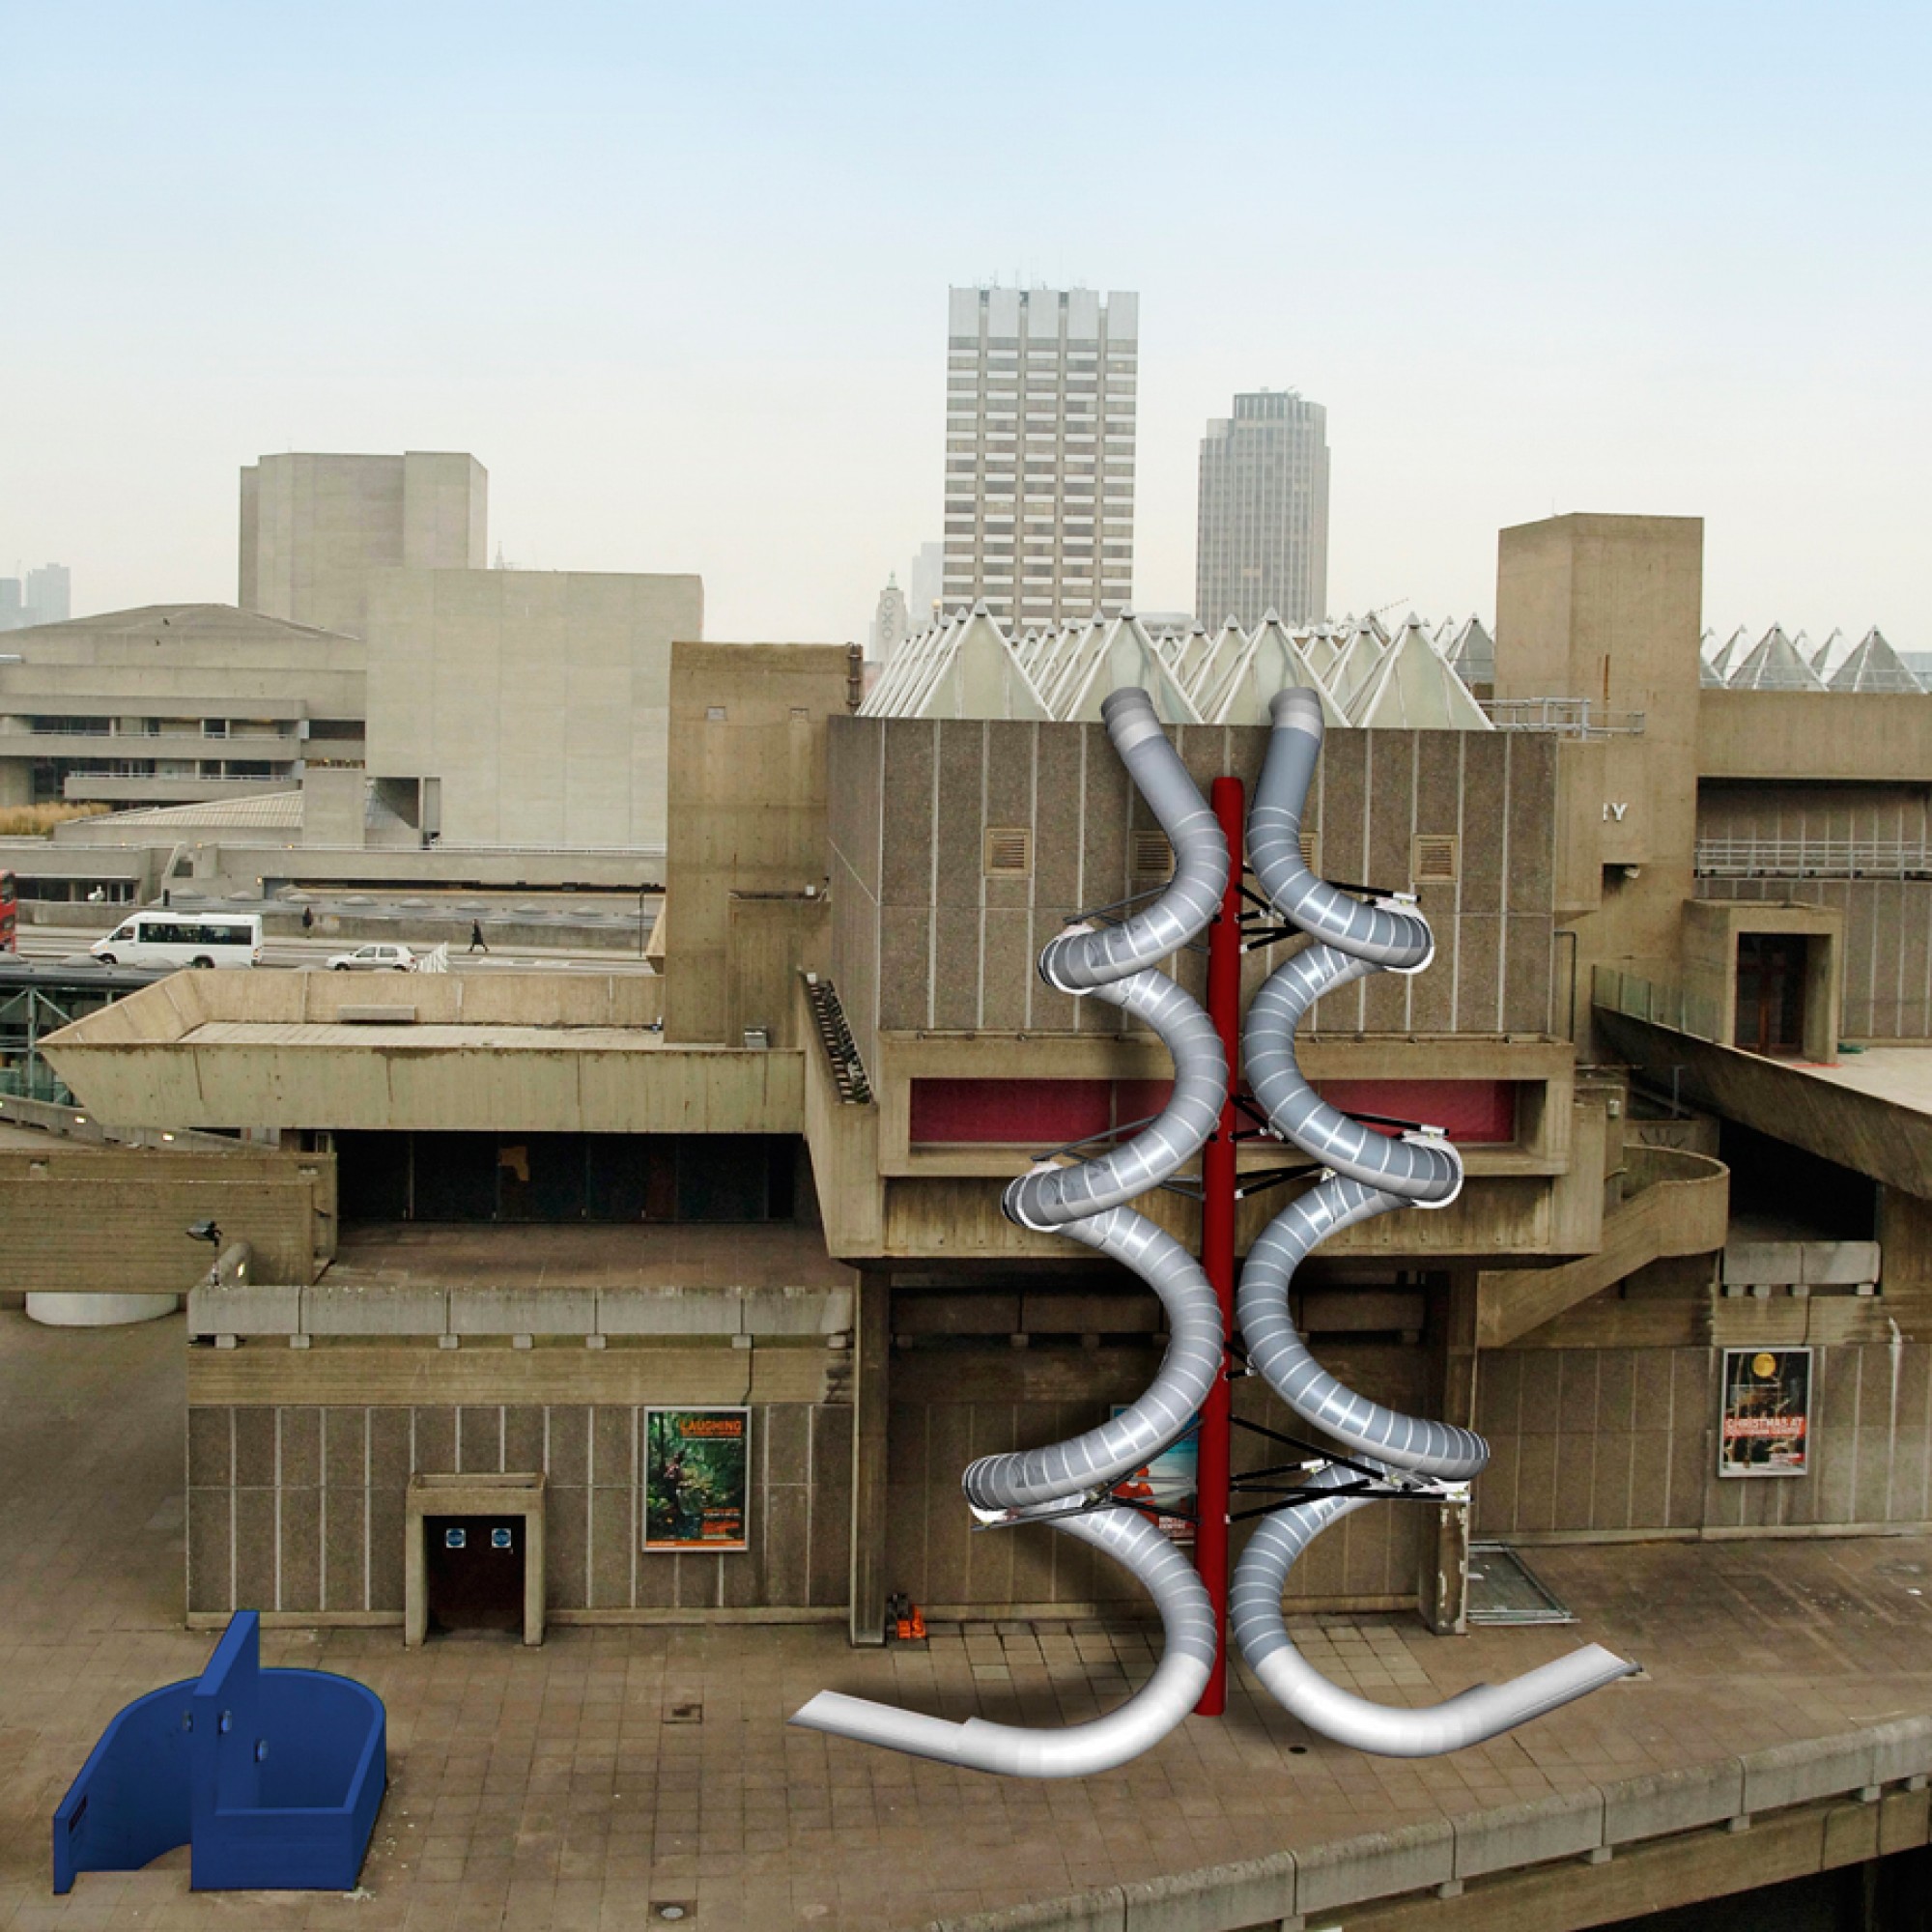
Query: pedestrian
[[476, 936], [309, 918]]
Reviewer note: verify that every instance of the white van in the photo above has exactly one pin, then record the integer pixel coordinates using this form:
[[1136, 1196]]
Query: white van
[[184, 939]]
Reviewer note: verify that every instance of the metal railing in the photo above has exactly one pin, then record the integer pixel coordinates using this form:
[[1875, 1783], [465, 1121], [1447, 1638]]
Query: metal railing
[[1754, 857], [1566, 717], [1620, 993]]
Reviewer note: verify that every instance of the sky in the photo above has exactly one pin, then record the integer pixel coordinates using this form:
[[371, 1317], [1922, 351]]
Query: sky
[[677, 276]]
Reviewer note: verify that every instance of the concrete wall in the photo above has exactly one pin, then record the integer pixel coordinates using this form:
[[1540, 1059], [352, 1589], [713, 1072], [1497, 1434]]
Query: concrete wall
[[539, 700], [745, 863], [313, 527], [925, 939], [81, 1218], [298, 1508], [1602, 1442], [1609, 609]]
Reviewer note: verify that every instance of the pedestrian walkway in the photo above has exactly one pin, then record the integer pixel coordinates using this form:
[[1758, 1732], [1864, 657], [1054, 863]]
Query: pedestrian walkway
[[592, 1782]]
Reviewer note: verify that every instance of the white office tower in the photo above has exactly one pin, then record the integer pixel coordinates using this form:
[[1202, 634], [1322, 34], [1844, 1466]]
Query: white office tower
[[1039, 452], [1264, 528]]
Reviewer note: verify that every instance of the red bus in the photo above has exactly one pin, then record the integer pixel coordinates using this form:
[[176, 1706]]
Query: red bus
[[9, 914]]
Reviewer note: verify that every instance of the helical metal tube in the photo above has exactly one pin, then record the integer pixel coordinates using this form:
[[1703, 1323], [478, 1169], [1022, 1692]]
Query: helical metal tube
[[1484, 1711], [1368, 1174], [1065, 1484]]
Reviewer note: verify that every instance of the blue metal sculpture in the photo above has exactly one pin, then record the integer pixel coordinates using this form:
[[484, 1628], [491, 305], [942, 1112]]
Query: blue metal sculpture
[[272, 1777]]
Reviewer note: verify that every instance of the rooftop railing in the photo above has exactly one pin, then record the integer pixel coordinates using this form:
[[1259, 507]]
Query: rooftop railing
[[1754, 857], [1619, 992], [1566, 717]]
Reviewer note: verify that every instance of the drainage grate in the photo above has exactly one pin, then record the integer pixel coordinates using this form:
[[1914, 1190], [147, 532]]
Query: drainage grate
[[1503, 1589]]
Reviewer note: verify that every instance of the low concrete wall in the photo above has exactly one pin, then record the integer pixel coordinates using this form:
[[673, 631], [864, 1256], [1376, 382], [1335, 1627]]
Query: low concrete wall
[[1303, 1887]]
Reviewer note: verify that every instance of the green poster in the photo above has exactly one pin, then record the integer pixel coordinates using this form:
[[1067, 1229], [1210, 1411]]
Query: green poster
[[697, 1478]]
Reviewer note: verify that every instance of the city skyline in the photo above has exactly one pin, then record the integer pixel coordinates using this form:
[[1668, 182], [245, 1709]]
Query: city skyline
[[681, 345]]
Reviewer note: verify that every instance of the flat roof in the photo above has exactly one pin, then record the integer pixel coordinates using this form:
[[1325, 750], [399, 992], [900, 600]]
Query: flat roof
[[1901, 1075], [442, 1038], [627, 1254]]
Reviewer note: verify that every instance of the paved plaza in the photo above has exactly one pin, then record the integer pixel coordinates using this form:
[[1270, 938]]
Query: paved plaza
[[613, 1771]]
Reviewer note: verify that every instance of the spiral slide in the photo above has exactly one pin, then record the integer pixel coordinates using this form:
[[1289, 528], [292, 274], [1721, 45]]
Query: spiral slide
[[1067, 1485], [1365, 1173]]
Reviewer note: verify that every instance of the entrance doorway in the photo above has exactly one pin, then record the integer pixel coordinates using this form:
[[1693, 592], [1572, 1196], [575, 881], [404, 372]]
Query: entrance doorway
[[474, 1571], [1771, 968]]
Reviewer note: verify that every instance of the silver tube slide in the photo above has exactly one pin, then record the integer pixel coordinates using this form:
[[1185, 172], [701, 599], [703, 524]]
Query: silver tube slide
[[1081, 959], [1278, 1355], [1066, 1485], [1484, 1711], [1101, 1743], [1367, 1174]]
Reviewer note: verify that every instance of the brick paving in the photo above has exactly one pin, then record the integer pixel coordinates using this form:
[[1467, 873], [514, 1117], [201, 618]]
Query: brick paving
[[576, 1786]]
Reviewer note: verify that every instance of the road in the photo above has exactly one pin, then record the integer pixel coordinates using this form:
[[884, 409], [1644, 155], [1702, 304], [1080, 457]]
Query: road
[[52, 944]]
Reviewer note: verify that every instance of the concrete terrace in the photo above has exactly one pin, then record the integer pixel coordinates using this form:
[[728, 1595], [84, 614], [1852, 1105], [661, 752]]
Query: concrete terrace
[[589, 1782]]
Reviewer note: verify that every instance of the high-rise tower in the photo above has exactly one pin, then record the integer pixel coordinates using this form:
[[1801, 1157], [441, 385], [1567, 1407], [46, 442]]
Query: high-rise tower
[[1264, 531], [1039, 452]]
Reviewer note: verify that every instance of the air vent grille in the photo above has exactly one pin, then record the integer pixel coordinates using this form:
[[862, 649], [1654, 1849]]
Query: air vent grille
[[1153, 857], [1311, 851], [1434, 860], [1009, 851]]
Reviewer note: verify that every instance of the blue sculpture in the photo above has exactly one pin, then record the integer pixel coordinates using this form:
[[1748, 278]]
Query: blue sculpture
[[272, 1777]]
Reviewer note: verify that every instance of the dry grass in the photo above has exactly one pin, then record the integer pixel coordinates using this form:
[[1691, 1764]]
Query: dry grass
[[36, 821]]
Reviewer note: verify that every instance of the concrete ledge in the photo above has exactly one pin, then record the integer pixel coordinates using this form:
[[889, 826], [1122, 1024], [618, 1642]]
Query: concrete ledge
[[1563, 1826], [247, 1310], [1092, 1912], [669, 1311], [1376, 1866], [375, 1310], [1900, 1749], [1220, 1898], [1658, 1803], [1287, 1888], [796, 1311], [523, 1311], [1807, 1768]]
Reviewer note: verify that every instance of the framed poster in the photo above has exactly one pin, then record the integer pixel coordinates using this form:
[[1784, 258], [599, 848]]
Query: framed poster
[[697, 1467], [1167, 1489], [1765, 1428]]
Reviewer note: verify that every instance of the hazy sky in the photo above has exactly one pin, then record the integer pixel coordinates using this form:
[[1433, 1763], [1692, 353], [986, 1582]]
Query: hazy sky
[[677, 275]]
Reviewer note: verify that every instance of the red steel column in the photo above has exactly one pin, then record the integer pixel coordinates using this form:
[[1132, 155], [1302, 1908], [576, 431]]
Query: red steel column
[[1217, 1242]]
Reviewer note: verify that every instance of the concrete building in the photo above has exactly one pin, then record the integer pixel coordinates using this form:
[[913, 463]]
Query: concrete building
[[174, 703], [314, 526], [527, 707], [1039, 452], [1630, 1028], [1263, 529]]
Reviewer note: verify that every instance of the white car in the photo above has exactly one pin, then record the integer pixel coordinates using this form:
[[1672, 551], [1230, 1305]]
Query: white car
[[378, 958]]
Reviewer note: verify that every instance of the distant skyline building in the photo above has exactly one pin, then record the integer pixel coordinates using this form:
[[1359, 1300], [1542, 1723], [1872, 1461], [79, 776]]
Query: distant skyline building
[[891, 626], [314, 526], [1263, 542], [45, 596], [1039, 452], [926, 587], [49, 594]]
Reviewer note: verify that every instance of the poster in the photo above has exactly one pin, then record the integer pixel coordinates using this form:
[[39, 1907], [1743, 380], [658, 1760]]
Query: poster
[[1765, 1428], [697, 1478], [1169, 1483]]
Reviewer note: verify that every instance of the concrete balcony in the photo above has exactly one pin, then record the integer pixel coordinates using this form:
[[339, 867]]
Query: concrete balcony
[[16, 742], [92, 788]]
